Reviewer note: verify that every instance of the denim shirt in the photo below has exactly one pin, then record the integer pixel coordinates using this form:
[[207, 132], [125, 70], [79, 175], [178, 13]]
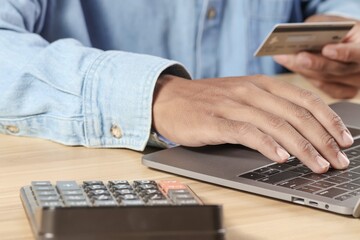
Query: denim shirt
[[83, 72]]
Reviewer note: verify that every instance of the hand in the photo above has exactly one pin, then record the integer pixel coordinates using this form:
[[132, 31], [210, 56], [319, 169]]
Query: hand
[[336, 70], [262, 113]]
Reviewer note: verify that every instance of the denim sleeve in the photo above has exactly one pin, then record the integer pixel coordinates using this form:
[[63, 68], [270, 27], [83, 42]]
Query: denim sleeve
[[343, 8], [69, 93]]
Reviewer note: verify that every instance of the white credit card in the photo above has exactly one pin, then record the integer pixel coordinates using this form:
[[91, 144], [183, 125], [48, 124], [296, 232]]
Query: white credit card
[[292, 38]]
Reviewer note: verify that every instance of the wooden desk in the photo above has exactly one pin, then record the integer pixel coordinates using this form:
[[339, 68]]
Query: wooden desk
[[246, 216]]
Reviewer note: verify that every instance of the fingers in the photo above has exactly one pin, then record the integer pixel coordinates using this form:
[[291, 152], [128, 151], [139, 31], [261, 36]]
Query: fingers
[[349, 83], [282, 134], [310, 101], [339, 63], [305, 123], [305, 63], [343, 52], [336, 90], [237, 132]]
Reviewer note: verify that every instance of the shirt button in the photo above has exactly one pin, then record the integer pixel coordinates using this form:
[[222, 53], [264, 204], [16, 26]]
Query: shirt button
[[116, 131], [211, 13], [12, 129]]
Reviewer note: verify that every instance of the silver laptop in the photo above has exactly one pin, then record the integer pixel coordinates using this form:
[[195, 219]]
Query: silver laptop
[[241, 168]]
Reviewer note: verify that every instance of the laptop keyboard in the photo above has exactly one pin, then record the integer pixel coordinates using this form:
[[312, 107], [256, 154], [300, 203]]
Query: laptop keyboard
[[338, 184]]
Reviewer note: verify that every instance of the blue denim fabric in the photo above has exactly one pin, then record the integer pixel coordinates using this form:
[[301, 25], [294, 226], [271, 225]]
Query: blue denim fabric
[[70, 70]]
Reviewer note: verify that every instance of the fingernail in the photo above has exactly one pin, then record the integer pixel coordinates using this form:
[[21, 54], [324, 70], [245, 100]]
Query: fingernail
[[322, 162], [343, 160], [347, 138], [284, 155], [329, 52]]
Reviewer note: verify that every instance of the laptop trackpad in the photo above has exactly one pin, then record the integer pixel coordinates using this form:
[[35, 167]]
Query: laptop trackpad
[[221, 161]]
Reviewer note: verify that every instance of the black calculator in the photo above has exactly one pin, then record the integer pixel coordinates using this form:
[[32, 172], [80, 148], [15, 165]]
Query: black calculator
[[119, 209]]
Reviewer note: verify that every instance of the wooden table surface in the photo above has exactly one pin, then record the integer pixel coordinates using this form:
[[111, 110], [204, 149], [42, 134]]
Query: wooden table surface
[[246, 216]]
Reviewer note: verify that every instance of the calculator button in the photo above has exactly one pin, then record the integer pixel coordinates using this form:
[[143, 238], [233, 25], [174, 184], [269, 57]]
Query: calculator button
[[182, 196], [46, 193], [40, 183], [145, 187], [94, 187], [104, 203], [132, 202], [158, 202], [88, 183], [123, 192], [186, 202], [149, 192], [50, 204], [116, 182], [177, 191], [74, 198], [77, 204], [67, 185], [72, 192], [167, 185], [101, 198], [49, 198], [98, 192], [148, 198], [120, 186], [141, 182], [128, 197], [43, 188]]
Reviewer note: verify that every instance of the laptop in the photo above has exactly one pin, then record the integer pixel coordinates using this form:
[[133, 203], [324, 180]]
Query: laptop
[[239, 167]]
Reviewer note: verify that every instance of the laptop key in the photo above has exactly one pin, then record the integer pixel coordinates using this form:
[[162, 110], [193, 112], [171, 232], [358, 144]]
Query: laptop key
[[323, 184], [344, 197], [332, 172], [266, 171], [355, 193], [357, 181], [309, 189], [332, 192], [280, 166], [337, 179], [354, 164], [353, 152], [252, 176], [293, 162], [301, 169], [356, 170], [349, 186], [271, 172], [294, 183], [349, 175], [261, 170], [314, 176], [273, 179]]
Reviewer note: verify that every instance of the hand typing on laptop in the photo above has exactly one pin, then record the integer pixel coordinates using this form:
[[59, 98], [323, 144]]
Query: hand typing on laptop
[[281, 119], [336, 70]]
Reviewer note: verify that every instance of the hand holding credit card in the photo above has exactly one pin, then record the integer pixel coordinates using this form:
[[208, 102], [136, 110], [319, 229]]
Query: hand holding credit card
[[292, 38]]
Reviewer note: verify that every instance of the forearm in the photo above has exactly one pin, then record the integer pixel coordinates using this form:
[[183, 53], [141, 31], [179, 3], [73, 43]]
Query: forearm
[[73, 94]]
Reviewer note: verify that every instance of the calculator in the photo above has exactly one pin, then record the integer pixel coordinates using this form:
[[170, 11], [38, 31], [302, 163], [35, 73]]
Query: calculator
[[119, 209]]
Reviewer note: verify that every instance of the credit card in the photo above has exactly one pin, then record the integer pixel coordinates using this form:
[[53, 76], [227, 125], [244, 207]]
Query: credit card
[[290, 38]]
